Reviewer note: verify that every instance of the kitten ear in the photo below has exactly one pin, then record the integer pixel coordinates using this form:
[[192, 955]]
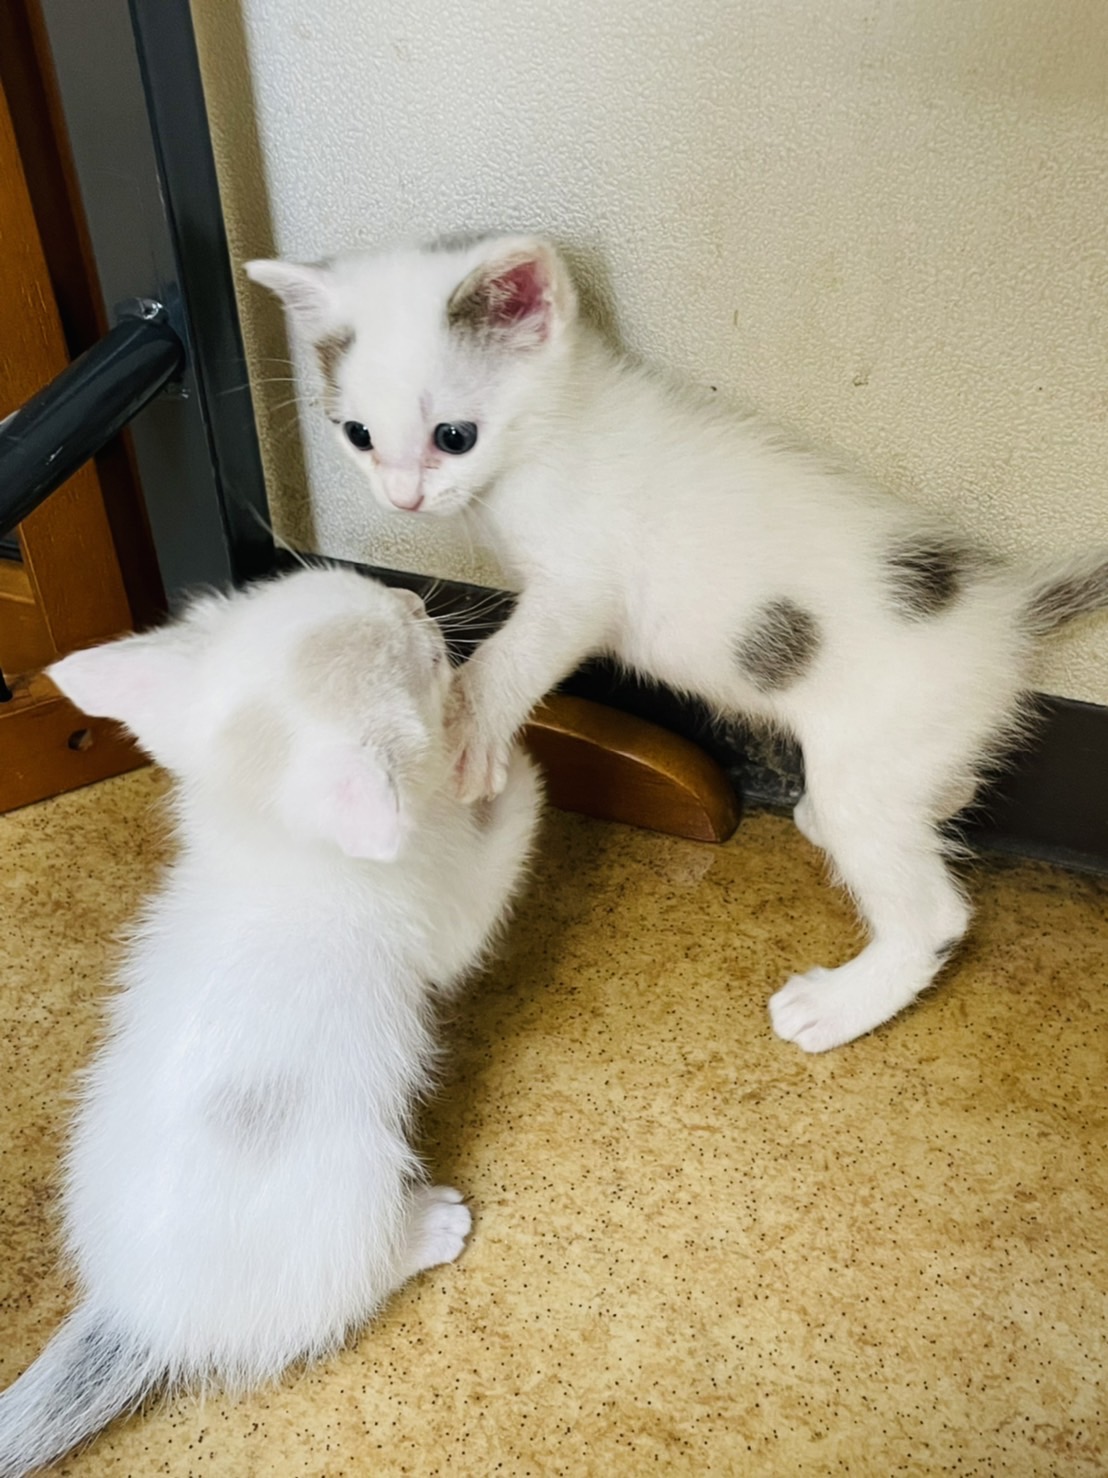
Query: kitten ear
[[140, 681], [307, 291], [412, 603], [346, 796], [521, 295]]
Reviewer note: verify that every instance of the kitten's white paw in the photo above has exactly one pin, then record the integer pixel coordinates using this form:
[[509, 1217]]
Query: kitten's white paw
[[481, 772], [440, 1224], [480, 763], [825, 1008]]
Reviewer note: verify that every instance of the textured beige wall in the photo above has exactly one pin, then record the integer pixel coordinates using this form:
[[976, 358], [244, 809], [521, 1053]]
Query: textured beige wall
[[882, 220]]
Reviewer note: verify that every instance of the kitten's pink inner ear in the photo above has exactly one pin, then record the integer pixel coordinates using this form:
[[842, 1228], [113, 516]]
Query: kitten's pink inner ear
[[517, 299], [519, 292]]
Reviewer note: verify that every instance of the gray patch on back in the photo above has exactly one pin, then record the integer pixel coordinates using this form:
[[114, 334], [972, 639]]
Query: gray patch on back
[[255, 1118], [926, 575], [780, 646], [329, 351]]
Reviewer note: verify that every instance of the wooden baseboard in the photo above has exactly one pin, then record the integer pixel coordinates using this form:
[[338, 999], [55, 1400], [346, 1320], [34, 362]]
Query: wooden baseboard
[[48, 746], [616, 767]]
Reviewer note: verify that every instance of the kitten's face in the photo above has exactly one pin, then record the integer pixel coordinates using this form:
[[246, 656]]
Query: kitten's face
[[427, 357], [315, 701]]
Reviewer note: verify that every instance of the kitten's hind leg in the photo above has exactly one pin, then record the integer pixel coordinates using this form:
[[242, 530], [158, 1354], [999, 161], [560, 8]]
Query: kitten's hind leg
[[439, 1222], [881, 840]]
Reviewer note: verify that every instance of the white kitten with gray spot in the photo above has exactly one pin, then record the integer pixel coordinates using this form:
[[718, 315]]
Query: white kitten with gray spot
[[240, 1190], [703, 548]]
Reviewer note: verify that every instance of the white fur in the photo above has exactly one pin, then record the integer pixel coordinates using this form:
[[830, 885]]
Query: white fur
[[240, 1188], [652, 524]]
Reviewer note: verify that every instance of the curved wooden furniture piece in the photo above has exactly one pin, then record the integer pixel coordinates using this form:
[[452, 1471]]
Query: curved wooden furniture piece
[[616, 767]]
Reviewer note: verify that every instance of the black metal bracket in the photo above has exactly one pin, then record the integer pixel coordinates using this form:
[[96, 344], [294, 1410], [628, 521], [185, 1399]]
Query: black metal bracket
[[132, 95], [93, 398]]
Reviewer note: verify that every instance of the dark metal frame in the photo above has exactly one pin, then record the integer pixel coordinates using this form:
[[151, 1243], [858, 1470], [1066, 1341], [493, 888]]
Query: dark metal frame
[[131, 90]]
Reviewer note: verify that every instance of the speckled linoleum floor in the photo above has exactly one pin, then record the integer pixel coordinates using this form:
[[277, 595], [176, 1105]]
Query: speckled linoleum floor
[[696, 1250]]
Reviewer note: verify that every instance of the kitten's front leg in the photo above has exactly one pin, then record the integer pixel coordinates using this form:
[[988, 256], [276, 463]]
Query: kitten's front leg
[[480, 745], [542, 641]]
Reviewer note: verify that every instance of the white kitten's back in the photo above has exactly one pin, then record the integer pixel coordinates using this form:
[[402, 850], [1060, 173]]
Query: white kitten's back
[[240, 1187]]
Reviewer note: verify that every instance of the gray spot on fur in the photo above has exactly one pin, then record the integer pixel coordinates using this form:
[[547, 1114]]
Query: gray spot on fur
[[329, 351], [91, 1372], [340, 663], [468, 310], [256, 1118], [780, 647], [1067, 597], [927, 575]]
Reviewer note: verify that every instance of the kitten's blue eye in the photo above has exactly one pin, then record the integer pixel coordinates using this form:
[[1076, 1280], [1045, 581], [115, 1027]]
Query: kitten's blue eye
[[357, 435], [455, 437]]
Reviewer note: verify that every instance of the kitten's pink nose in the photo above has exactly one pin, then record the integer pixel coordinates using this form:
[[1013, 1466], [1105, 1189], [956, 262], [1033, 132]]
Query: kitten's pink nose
[[403, 489]]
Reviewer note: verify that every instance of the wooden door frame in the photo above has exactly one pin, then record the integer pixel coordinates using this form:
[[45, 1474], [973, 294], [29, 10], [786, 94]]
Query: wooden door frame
[[122, 85], [67, 590]]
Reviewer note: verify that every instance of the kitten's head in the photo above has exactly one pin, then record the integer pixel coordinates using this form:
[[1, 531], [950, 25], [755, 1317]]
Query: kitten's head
[[428, 356], [313, 703]]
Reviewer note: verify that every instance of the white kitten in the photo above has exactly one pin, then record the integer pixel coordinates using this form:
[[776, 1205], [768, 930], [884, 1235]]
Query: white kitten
[[701, 547], [240, 1190]]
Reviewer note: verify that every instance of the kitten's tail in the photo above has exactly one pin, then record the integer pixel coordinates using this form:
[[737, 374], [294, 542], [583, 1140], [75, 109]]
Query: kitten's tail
[[87, 1375], [1066, 590]]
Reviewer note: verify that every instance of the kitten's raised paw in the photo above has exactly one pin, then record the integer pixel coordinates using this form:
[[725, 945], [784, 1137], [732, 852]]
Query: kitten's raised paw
[[481, 772], [440, 1223], [825, 1008], [480, 765]]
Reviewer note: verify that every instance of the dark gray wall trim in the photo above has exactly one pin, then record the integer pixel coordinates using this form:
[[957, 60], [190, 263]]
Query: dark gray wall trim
[[1052, 799], [170, 69]]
